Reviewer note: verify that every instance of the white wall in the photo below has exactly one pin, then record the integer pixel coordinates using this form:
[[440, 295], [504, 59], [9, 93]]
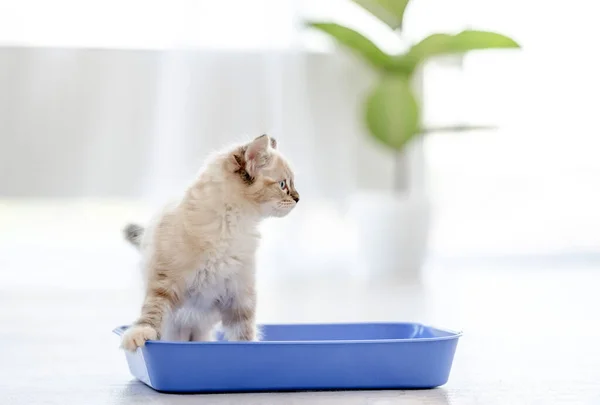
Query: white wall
[[126, 123]]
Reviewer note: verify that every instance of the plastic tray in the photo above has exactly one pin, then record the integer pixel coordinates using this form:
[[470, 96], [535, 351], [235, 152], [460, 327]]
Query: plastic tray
[[302, 357]]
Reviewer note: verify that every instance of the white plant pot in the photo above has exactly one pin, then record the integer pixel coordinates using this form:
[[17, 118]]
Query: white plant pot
[[391, 234]]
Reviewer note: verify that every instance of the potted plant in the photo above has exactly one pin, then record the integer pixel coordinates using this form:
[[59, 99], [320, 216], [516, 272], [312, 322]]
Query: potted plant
[[393, 227]]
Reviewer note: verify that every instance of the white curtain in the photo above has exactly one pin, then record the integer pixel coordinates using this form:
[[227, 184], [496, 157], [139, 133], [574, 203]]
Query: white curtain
[[124, 98], [530, 188], [163, 85]]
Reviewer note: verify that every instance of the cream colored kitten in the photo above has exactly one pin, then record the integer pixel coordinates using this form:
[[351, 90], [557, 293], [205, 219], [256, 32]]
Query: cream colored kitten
[[198, 255]]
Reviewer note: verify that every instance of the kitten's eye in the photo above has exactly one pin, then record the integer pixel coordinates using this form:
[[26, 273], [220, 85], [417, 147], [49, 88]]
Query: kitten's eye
[[282, 185]]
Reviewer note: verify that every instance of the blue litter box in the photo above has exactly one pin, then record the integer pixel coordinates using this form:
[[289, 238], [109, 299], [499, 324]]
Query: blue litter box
[[302, 357]]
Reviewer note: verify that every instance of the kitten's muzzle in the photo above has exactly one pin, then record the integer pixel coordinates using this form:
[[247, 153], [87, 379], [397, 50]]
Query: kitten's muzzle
[[295, 196]]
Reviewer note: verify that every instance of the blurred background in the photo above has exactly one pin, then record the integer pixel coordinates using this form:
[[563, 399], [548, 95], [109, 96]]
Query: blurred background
[[108, 108]]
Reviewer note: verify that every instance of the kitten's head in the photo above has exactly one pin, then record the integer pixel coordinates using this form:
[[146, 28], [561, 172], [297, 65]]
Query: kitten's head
[[266, 178]]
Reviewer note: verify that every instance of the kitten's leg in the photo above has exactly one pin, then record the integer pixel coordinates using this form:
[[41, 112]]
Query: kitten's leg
[[239, 316], [202, 335], [160, 298], [177, 333], [204, 330], [185, 334]]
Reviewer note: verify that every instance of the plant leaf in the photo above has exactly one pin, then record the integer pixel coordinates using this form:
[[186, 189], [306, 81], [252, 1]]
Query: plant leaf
[[440, 44], [390, 12], [392, 112], [355, 41]]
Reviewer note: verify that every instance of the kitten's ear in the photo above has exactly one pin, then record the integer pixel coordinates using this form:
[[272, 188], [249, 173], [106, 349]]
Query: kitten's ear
[[257, 154], [272, 140]]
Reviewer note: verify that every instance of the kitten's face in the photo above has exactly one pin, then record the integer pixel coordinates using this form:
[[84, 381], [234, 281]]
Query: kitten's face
[[267, 176], [278, 195]]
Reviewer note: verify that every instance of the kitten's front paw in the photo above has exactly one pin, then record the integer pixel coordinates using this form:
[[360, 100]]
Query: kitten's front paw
[[137, 335]]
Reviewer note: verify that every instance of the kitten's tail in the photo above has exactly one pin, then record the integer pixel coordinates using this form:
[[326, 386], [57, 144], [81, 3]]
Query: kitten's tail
[[133, 234]]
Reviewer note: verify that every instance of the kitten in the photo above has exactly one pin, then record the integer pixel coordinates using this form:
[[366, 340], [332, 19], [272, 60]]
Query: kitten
[[199, 254]]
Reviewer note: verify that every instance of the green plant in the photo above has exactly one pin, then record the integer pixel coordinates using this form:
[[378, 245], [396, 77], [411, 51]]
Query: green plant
[[392, 112]]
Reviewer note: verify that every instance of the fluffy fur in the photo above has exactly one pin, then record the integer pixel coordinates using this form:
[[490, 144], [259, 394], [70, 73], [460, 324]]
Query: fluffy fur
[[198, 255]]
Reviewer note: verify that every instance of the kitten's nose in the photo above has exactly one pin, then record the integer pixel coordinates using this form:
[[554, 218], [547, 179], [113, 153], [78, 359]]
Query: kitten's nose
[[296, 198]]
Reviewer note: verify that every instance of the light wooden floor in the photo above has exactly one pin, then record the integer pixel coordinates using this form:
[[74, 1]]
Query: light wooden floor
[[532, 335]]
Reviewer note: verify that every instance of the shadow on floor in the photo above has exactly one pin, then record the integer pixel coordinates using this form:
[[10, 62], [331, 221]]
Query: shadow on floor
[[136, 392]]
